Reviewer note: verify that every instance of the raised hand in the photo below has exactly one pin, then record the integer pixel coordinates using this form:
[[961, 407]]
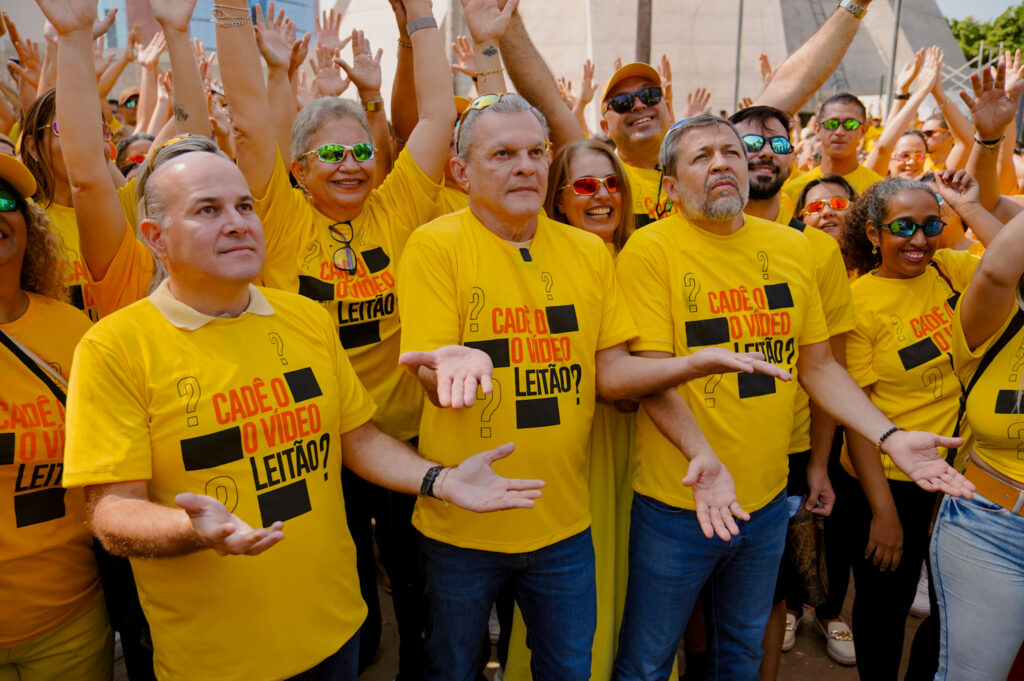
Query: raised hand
[[327, 80], [272, 37], [715, 495], [300, 48], [133, 43], [587, 86], [486, 21], [931, 70], [173, 15], [463, 50], [958, 188], [101, 26], [707, 361], [908, 73], [327, 31], [565, 91], [992, 106], [474, 486], [365, 70], [1014, 70], [766, 68], [697, 102], [664, 69], [459, 371], [149, 56], [224, 532], [915, 453], [101, 60]]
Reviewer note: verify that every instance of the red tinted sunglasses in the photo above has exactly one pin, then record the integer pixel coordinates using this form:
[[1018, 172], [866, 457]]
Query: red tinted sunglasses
[[586, 186]]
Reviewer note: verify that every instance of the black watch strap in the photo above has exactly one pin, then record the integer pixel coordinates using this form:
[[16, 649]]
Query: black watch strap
[[427, 486]]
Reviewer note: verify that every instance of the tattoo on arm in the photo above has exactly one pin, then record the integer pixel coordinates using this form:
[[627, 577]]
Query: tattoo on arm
[[180, 114], [490, 51]]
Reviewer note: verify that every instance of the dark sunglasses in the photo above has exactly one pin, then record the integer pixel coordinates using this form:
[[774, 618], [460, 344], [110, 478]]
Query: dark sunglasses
[[623, 102], [836, 202], [848, 124], [131, 104], [344, 257], [780, 145], [9, 201], [587, 186], [335, 153], [906, 228]]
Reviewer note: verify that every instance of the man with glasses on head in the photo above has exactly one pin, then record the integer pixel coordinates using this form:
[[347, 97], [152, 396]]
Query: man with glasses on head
[[709, 276], [765, 135], [541, 300], [840, 127]]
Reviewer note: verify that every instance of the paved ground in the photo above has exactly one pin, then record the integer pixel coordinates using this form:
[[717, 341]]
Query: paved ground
[[806, 662]]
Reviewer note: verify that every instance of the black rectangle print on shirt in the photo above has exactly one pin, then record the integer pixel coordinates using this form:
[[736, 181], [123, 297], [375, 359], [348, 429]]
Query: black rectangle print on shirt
[[303, 384], [284, 503], [754, 385], [537, 413], [920, 352], [212, 450], [358, 335], [707, 332], [562, 318], [778, 296], [496, 349], [7, 442], [1007, 402], [38, 507]]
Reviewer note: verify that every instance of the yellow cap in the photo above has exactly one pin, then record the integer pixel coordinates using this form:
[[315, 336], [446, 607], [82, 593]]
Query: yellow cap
[[14, 173], [636, 68]]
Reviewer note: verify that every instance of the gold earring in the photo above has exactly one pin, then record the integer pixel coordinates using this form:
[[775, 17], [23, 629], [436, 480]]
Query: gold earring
[[874, 249]]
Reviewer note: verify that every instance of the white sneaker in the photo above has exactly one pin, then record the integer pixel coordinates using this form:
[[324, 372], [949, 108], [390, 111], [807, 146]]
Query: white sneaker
[[789, 639], [921, 607], [840, 641]]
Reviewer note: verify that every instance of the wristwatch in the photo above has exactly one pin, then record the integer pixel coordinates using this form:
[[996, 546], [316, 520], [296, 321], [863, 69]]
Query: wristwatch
[[427, 486], [374, 104], [852, 7]]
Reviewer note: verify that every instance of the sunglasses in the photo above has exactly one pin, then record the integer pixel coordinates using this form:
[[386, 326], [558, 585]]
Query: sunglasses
[[478, 104], [9, 201], [906, 228], [56, 130], [905, 156], [848, 124], [587, 186], [836, 202], [780, 145], [335, 153], [344, 257], [131, 104], [623, 102]]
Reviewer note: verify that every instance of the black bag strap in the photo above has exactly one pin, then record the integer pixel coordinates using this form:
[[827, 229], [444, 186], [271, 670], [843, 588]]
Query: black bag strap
[[1014, 326], [33, 366]]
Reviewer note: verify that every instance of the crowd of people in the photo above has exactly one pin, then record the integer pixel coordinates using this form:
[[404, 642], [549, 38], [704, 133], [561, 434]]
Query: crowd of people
[[261, 338]]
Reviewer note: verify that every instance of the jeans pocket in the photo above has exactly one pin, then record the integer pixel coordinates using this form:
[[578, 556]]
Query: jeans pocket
[[977, 504], [660, 505]]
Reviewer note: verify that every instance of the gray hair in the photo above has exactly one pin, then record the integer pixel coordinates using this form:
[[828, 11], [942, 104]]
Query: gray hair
[[318, 112], [669, 152], [508, 104]]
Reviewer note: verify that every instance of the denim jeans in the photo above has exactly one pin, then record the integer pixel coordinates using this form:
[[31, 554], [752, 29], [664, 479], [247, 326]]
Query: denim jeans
[[977, 557], [670, 560], [342, 665], [554, 587]]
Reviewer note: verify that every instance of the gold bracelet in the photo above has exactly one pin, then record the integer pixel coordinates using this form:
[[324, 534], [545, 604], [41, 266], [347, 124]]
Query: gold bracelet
[[404, 43], [220, 17], [487, 73]]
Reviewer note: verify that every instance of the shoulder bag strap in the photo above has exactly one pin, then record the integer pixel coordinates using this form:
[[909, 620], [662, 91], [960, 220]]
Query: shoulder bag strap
[[43, 371]]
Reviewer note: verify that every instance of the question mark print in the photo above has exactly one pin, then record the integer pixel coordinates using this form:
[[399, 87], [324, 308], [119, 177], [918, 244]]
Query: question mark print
[[762, 257], [709, 389], [189, 387], [549, 282], [1018, 362], [312, 251], [933, 379], [690, 282], [491, 405], [223, 489], [1014, 433], [278, 343], [477, 298], [898, 323]]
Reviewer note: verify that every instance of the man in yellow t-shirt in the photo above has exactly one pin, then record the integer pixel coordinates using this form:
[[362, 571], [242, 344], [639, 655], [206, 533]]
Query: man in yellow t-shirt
[[710, 276], [840, 127], [167, 409], [542, 301]]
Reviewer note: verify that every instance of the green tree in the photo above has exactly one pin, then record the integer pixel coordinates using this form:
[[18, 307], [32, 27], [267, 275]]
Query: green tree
[[1007, 28]]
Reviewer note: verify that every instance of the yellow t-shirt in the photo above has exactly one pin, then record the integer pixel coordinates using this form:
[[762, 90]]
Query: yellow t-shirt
[[129, 276], [364, 306], [73, 269], [901, 344], [860, 179], [452, 200], [650, 202], [541, 314], [247, 410], [837, 303], [47, 567], [993, 418], [753, 290]]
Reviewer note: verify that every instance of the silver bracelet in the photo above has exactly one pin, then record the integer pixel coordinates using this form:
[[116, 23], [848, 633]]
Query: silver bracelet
[[852, 7], [418, 23]]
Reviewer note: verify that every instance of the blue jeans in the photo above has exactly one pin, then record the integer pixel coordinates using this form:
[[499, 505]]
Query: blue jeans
[[978, 571], [342, 665], [554, 587], [670, 560]]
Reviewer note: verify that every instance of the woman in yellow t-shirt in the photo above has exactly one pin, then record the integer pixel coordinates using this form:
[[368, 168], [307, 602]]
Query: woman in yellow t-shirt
[[825, 204], [977, 549], [898, 354], [54, 623]]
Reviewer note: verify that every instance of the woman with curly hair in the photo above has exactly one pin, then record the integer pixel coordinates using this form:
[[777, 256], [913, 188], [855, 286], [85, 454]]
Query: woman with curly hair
[[55, 620], [904, 302]]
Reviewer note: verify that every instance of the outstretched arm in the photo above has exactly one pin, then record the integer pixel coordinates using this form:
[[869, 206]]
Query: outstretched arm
[[810, 65], [878, 159]]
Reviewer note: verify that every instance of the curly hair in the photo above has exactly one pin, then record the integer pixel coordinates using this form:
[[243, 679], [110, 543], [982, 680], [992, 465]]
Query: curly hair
[[858, 251], [40, 268]]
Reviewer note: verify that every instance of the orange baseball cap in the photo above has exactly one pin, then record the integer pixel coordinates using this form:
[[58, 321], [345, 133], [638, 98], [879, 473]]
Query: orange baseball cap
[[639, 69]]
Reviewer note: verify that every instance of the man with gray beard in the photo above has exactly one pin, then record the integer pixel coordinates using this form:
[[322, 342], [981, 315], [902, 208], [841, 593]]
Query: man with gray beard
[[711, 276]]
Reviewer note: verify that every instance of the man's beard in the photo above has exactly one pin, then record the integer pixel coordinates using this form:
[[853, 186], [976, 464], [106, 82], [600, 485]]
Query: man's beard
[[762, 188], [701, 207]]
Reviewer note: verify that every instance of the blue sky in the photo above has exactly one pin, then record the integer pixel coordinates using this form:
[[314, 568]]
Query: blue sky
[[982, 10]]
